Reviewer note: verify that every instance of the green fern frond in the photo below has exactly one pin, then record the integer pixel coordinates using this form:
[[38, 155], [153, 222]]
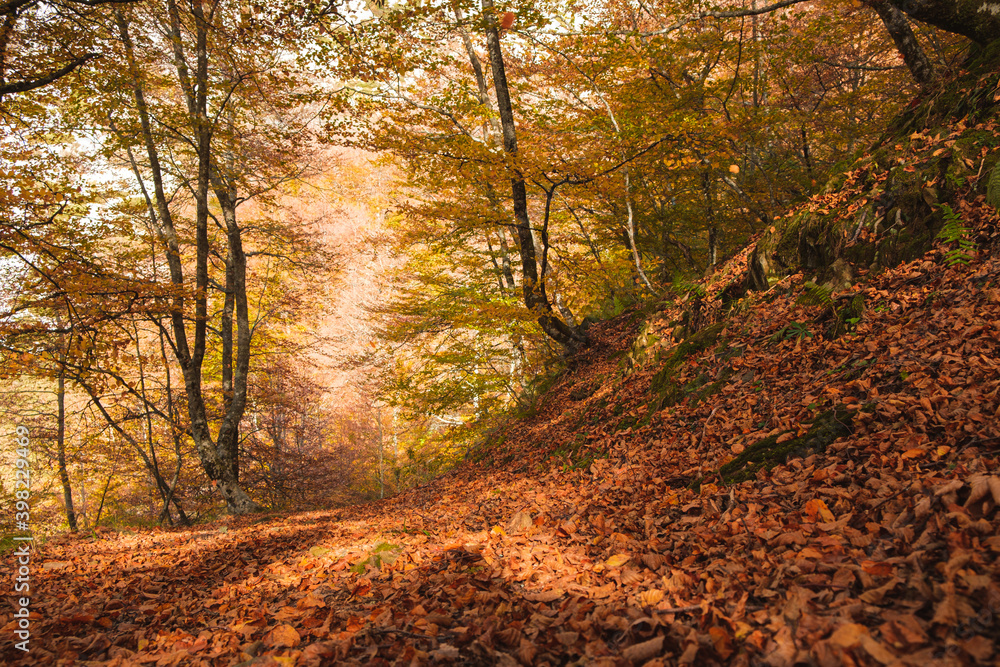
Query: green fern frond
[[955, 231], [817, 295], [993, 188]]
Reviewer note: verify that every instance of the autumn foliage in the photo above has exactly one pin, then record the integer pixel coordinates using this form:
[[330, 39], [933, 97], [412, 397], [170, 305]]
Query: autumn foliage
[[655, 334]]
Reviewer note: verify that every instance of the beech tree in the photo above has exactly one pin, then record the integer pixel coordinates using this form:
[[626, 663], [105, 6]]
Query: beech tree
[[41, 41]]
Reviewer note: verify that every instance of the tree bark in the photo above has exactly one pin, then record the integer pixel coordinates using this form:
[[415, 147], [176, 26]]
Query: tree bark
[[979, 20], [61, 445], [535, 297], [898, 27], [228, 439]]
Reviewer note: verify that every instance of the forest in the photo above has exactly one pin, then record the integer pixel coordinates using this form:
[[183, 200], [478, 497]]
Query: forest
[[553, 332]]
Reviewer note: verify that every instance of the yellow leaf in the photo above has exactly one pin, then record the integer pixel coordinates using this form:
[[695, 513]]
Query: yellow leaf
[[618, 560], [651, 597]]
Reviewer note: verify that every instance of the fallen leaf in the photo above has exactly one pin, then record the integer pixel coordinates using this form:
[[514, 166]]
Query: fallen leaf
[[283, 635], [848, 635], [640, 653], [618, 560]]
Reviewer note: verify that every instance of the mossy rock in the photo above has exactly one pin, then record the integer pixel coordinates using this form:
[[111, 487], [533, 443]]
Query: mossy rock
[[697, 342], [885, 213], [667, 392], [767, 453], [696, 391]]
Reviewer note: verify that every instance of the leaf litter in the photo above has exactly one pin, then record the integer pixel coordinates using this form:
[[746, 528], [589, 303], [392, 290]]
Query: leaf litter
[[600, 531]]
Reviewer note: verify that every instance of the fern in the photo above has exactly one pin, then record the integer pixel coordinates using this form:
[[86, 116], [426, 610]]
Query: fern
[[817, 295], [955, 231], [683, 288], [993, 188]]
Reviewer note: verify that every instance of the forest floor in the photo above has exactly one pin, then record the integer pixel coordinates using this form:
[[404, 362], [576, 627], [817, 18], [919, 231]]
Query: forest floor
[[600, 530]]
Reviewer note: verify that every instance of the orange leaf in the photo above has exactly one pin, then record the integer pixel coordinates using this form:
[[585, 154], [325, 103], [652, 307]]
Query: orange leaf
[[651, 598], [848, 635], [283, 635], [877, 569], [618, 560], [817, 509]]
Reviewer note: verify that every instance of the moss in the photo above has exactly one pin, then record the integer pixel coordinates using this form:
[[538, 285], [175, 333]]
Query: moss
[[847, 316], [696, 391], [697, 342], [382, 554], [767, 453], [666, 391]]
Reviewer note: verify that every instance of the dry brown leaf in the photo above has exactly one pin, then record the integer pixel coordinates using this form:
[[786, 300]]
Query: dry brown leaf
[[877, 650], [979, 647], [520, 522], [979, 488], [946, 610], [848, 635], [567, 638], [876, 595], [640, 653], [953, 485], [653, 561], [283, 635], [994, 484]]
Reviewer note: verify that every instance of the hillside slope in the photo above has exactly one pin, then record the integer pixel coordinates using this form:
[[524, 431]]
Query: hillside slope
[[791, 476], [604, 534]]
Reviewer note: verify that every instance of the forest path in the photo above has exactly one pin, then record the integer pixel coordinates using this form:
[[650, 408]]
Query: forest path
[[600, 532]]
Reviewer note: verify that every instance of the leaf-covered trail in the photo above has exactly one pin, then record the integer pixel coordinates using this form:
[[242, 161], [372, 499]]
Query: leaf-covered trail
[[600, 531]]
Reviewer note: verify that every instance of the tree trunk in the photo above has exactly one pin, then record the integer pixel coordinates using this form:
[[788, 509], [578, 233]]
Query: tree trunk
[[61, 445], [898, 27], [218, 460], [979, 20], [535, 297], [228, 439]]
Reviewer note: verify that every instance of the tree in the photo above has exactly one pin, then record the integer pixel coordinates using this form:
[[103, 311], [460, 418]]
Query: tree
[[976, 19], [41, 41], [533, 284], [234, 138]]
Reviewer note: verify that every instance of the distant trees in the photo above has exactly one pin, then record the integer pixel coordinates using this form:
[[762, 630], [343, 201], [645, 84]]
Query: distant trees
[[564, 165], [203, 106], [553, 166]]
